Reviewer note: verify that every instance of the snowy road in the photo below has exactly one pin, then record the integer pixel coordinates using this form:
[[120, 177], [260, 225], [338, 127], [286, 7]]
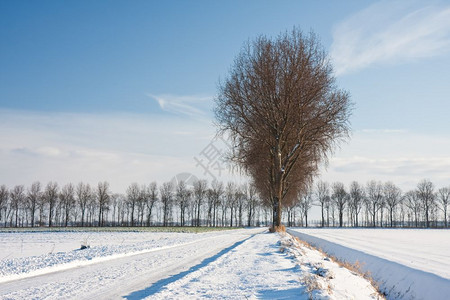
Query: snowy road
[[234, 264], [121, 276], [266, 266]]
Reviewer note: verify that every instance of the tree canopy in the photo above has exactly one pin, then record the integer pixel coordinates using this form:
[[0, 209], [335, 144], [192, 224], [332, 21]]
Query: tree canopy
[[284, 113]]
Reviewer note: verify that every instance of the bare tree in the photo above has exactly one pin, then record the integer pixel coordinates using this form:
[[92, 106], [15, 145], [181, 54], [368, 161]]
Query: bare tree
[[339, 197], [412, 202], [290, 209], [17, 198], [152, 198], [443, 196], [4, 199], [218, 192], [121, 208], [356, 199], [133, 195], [114, 201], [68, 201], [229, 201], [392, 195], [51, 196], [284, 113], [305, 202], [252, 202], [328, 206], [214, 195], [84, 194], [183, 195], [141, 204], [166, 191], [92, 207], [200, 189], [34, 194], [425, 192], [323, 196], [240, 196], [103, 194], [374, 199], [210, 202]]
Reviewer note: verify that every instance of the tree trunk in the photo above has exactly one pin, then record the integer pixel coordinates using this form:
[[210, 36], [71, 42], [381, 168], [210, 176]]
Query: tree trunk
[[392, 221], [198, 213], [276, 212], [323, 218]]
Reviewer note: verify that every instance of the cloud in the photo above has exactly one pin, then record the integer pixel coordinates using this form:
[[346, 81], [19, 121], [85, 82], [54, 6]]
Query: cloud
[[390, 32], [383, 131], [126, 148], [397, 166], [392, 155], [191, 106], [403, 171]]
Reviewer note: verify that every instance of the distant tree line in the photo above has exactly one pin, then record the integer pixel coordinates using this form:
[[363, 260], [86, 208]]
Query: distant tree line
[[374, 204], [199, 204]]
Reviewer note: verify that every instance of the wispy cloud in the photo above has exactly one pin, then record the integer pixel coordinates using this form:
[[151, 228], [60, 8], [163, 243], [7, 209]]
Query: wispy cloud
[[192, 106], [398, 166], [392, 155], [390, 32], [404, 171], [393, 131], [40, 151]]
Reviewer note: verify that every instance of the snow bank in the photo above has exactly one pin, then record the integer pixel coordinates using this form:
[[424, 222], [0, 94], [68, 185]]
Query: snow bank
[[395, 280]]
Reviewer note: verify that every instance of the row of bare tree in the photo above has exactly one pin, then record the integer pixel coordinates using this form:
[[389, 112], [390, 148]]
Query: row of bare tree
[[169, 204], [217, 204], [376, 204]]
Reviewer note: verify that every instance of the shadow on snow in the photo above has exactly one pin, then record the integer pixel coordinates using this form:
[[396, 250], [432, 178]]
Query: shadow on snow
[[160, 285]]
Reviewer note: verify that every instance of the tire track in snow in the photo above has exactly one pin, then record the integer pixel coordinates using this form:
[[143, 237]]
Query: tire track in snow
[[115, 276], [159, 285], [95, 260]]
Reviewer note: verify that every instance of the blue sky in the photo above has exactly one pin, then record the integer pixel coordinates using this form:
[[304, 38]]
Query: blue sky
[[122, 90]]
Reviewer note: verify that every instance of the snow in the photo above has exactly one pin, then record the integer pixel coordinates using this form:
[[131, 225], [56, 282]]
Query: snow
[[406, 263], [264, 267], [235, 264], [26, 254]]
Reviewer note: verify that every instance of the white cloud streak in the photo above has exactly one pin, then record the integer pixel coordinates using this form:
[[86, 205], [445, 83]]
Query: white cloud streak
[[392, 155], [191, 106], [390, 32]]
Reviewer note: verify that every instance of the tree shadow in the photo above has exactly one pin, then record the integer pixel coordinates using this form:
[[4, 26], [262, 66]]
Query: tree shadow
[[297, 293], [161, 284]]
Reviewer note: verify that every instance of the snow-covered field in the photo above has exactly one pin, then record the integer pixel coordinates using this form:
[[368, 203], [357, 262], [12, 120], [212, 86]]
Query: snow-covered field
[[406, 263], [235, 264]]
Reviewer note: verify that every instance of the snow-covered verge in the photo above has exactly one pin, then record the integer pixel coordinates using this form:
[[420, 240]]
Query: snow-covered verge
[[267, 266], [25, 254], [394, 258]]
